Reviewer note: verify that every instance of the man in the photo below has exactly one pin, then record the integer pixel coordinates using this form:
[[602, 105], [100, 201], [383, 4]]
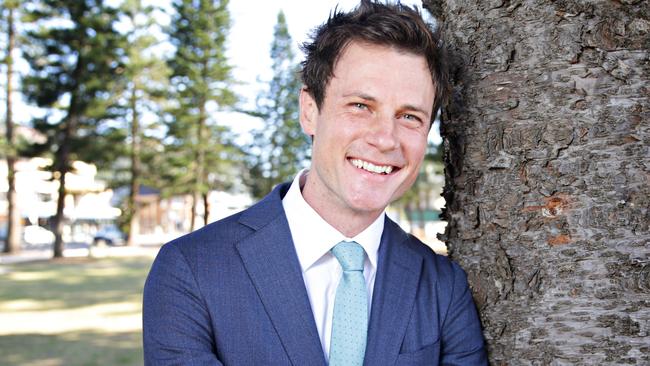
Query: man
[[315, 273]]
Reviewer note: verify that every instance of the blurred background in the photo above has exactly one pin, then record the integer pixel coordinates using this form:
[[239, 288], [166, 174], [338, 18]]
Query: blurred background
[[127, 124]]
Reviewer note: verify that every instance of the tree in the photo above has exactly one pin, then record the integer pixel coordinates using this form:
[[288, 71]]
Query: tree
[[201, 79], [147, 80], [280, 148], [74, 54], [13, 239], [546, 154]]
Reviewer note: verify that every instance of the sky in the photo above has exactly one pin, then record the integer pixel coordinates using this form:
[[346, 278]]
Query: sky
[[249, 44], [251, 35], [252, 29]]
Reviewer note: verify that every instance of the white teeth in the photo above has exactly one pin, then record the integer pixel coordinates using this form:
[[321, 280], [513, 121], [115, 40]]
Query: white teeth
[[379, 169]]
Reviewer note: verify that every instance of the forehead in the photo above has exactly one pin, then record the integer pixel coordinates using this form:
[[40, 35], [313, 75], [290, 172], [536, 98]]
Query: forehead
[[382, 71]]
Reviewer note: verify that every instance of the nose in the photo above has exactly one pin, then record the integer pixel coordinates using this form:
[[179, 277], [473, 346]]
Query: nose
[[382, 133]]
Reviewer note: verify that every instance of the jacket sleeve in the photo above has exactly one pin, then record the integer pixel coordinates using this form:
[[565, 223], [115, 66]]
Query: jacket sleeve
[[462, 339], [175, 321]]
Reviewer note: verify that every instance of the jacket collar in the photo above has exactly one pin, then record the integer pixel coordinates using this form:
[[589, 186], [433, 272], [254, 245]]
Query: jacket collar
[[270, 259], [396, 284]]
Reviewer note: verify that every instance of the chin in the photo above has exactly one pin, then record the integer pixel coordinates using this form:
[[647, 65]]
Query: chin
[[368, 205]]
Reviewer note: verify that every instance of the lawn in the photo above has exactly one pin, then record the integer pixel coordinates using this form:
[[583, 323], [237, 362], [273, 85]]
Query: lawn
[[75, 311]]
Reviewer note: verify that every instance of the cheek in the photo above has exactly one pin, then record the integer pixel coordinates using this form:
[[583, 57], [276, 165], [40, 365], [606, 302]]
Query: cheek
[[415, 158], [337, 137], [415, 146], [408, 182]]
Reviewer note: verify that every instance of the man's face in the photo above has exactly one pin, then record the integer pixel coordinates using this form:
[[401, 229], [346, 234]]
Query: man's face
[[370, 134]]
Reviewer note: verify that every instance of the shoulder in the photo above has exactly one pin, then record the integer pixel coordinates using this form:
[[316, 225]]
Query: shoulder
[[213, 240], [224, 230], [413, 243], [220, 237], [437, 267]]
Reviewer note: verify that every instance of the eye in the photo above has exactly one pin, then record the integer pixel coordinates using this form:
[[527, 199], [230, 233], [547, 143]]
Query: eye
[[360, 106], [412, 119]]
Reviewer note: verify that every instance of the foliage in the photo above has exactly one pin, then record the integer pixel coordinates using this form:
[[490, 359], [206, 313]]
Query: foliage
[[200, 85], [74, 53], [143, 97], [279, 148]]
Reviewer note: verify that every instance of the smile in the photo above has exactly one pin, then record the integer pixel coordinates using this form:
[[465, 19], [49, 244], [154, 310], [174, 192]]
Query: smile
[[379, 169]]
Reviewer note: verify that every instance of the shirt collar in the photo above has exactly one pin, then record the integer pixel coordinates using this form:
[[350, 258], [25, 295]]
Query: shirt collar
[[313, 237]]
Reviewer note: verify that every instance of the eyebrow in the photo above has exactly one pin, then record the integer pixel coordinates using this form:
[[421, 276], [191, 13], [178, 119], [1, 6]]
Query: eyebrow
[[361, 95], [370, 98], [416, 109]]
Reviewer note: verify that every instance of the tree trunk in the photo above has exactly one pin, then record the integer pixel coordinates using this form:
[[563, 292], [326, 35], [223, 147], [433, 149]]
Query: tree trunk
[[206, 208], [62, 167], [547, 168], [200, 162], [62, 156], [134, 212], [13, 239], [193, 211], [62, 164], [62, 161]]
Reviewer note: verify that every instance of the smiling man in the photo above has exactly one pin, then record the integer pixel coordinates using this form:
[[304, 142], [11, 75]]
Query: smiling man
[[315, 273], [369, 133]]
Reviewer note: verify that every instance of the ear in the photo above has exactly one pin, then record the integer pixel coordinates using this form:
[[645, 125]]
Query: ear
[[308, 112]]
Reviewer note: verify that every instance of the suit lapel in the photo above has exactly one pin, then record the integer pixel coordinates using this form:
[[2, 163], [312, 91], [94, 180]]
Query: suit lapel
[[270, 259], [398, 275]]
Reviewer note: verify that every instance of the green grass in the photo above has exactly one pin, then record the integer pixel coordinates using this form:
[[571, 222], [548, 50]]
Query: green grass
[[72, 312]]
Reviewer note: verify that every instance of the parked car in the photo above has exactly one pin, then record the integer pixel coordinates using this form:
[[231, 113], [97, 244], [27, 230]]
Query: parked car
[[109, 235]]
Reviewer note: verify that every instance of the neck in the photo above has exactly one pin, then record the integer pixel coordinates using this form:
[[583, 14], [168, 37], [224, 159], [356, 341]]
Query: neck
[[348, 222]]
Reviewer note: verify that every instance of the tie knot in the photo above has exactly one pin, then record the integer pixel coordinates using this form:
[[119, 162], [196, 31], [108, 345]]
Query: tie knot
[[350, 255]]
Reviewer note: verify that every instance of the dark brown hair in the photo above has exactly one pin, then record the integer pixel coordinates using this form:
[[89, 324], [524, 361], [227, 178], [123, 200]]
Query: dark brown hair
[[393, 25]]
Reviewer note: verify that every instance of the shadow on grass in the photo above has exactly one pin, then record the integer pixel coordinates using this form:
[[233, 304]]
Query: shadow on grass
[[72, 348], [43, 291], [73, 283]]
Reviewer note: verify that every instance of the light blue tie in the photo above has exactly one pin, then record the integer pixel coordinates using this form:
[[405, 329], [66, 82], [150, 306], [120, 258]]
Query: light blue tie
[[350, 321]]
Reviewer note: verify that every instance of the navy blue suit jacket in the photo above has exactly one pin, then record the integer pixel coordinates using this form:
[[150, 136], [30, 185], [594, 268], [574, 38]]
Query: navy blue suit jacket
[[232, 293]]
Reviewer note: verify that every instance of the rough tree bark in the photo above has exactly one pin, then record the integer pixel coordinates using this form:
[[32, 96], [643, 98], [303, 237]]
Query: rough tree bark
[[547, 157]]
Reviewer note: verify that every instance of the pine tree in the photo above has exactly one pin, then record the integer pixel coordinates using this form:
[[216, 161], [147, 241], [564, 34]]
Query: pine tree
[[74, 53], [201, 80], [147, 80], [13, 239], [280, 148]]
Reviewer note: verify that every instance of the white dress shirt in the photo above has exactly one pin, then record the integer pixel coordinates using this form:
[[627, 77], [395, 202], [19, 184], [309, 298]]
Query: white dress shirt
[[313, 238]]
